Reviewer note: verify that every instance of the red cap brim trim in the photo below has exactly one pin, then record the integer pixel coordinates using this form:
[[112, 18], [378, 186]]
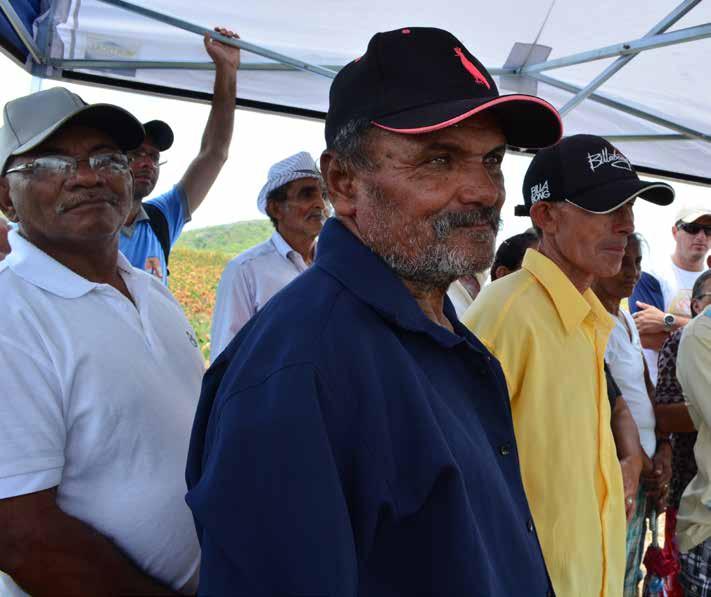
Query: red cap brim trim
[[499, 100]]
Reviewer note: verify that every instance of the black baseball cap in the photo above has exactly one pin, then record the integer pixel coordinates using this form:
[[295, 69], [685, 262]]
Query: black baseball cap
[[420, 79], [590, 172], [159, 133]]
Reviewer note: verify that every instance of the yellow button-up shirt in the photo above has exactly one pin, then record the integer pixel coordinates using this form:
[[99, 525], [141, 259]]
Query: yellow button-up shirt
[[551, 340], [693, 368]]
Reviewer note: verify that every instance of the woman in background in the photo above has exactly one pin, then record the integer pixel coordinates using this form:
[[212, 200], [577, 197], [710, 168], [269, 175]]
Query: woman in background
[[626, 362]]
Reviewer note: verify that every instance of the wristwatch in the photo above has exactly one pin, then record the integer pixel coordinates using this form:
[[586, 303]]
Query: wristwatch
[[669, 321]]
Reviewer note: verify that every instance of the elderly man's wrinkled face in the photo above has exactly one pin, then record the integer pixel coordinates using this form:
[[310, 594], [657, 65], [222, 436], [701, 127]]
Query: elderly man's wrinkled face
[[431, 207], [592, 244], [57, 208], [304, 211]]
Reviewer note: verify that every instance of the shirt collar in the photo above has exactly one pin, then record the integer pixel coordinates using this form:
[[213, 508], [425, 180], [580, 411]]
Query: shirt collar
[[282, 247], [39, 269], [140, 217], [367, 276], [572, 306]]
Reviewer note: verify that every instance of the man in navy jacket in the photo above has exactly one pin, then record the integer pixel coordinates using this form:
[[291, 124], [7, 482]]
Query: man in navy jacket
[[355, 438]]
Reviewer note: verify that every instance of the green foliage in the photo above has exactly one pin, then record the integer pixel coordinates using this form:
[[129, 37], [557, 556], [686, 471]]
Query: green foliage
[[227, 238]]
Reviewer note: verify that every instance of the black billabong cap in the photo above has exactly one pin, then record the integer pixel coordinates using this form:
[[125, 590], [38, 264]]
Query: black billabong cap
[[159, 133], [589, 172], [421, 79]]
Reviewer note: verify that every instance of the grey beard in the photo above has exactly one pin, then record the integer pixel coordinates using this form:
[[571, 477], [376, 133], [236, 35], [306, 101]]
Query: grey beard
[[426, 264]]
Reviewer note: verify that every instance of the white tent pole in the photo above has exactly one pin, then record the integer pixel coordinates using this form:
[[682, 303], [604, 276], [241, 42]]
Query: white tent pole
[[35, 84], [19, 27], [623, 107], [660, 27], [622, 49], [158, 64], [131, 64], [644, 138], [180, 24]]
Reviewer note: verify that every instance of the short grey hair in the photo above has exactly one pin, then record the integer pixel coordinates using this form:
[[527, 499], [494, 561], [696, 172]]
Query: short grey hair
[[350, 143], [277, 195]]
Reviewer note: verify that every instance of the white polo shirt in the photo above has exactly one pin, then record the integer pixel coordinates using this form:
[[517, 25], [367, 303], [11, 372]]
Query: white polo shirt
[[98, 399]]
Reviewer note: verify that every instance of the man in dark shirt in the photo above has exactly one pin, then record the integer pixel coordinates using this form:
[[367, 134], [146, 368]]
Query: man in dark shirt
[[355, 438]]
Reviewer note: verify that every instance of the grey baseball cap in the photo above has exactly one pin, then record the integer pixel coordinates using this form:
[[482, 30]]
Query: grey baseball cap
[[29, 120]]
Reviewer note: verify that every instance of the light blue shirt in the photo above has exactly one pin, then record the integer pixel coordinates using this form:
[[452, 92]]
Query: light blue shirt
[[139, 243]]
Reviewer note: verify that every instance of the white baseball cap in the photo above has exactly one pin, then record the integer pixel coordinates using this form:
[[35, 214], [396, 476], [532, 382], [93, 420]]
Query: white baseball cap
[[691, 214], [300, 165]]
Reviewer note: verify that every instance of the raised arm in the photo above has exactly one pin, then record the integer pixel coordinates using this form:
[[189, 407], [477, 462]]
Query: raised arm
[[204, 169]]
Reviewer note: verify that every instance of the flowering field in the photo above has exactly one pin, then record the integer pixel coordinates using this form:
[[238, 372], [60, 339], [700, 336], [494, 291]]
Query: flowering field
[[194, 276], [196, 264]]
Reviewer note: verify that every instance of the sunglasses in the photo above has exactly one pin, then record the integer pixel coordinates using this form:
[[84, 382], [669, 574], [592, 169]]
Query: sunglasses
[[694, 229]]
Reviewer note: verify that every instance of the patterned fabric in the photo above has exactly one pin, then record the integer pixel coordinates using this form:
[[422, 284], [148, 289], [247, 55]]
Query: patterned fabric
[[635, 545], [695, 575], [299, 165], [669, 392]]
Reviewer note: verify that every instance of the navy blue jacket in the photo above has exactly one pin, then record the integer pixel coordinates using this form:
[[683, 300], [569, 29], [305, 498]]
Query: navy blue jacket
[[345, 445]]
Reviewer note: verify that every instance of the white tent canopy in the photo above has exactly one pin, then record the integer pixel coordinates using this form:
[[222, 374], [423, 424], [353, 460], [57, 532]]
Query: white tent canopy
[[656, 107]]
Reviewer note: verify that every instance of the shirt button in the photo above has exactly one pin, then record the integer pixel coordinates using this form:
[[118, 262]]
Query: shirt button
[[505, 449], [529, 525]]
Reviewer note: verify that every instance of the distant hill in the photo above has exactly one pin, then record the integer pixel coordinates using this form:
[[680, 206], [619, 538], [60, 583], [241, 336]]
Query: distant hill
[[227, 238]]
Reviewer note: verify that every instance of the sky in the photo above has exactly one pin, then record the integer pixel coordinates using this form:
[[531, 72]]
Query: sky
[[260, 139]]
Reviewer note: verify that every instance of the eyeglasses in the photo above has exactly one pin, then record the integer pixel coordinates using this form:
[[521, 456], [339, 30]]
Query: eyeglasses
[[694, 229], [134, 156], [702, 295], [64, 166]]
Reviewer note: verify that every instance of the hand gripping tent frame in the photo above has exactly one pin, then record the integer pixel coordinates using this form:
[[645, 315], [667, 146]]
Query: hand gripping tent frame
[[645, 85]]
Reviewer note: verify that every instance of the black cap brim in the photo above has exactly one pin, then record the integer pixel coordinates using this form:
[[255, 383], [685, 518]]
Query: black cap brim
[[527, 121], [159, 133], [609, 197]]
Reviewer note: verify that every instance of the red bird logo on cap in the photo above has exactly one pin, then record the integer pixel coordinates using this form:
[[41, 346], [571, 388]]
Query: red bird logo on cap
[[473, 70]]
